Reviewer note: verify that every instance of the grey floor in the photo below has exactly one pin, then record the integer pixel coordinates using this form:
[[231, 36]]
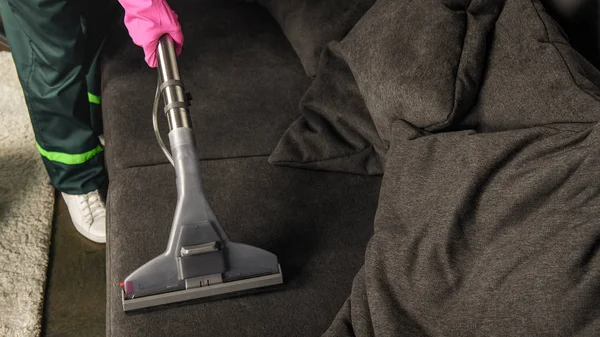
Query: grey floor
[[75, 290]]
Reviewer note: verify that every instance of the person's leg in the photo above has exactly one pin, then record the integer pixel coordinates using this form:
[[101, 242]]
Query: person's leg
[[95, 19], [94, 93], [48, 44]]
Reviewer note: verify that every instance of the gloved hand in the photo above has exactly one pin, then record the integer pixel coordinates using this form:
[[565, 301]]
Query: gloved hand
[[147, 21]]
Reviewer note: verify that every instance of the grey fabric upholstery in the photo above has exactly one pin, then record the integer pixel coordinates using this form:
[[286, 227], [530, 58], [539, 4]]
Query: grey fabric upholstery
[[490, 226], [317, 224], [415, 61], [310, 24], [336, 131], [533, 77], [437, 68], [244, 78], [498, 237]]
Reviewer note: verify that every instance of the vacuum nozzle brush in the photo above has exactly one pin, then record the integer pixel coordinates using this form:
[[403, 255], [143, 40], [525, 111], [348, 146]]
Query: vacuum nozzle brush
[[199, 261], [212, 291]]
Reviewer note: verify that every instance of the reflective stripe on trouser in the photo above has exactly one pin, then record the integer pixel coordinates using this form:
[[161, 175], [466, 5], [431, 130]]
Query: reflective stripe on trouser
[[55, 45]]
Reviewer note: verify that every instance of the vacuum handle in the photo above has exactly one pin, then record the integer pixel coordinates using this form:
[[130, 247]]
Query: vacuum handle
[[173, 91]]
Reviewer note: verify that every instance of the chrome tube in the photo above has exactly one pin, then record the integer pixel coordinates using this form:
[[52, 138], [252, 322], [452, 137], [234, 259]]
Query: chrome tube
[[168, 70]]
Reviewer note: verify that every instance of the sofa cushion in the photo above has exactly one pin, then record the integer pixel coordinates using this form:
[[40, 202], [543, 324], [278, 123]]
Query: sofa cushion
[[336, 131], [243, 75], [417, 61], [317, 223], [533, 76], [438, 66], [483, 234]]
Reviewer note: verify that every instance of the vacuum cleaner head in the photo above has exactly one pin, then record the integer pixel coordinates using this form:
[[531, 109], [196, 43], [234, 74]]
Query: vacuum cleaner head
[[199, 261], [213, 292], [156, 283]]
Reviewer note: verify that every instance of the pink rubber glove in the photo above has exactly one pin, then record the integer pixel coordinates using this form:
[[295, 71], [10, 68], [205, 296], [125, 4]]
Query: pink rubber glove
[[147, 21]]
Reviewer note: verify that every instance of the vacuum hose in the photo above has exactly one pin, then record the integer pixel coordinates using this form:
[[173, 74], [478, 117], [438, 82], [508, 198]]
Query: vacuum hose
[[173, 92], [155, 125]]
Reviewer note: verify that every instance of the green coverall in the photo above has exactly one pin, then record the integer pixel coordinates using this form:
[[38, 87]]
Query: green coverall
[[56, 47]]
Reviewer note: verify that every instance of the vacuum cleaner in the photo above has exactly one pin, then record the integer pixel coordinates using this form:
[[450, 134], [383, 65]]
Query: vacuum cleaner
[[199, 260]]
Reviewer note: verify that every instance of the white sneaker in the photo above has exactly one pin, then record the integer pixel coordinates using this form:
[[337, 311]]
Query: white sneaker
[[88, 214], [101, 139]]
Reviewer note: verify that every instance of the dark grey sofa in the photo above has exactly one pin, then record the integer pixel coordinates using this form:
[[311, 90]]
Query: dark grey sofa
[[427, 277], [246, 82]]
